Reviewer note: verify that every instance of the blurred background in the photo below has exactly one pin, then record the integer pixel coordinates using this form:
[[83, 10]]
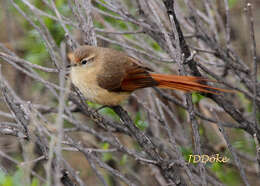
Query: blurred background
[[144, 107]]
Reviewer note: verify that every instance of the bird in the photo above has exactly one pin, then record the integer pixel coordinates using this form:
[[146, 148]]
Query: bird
[[107, 77]]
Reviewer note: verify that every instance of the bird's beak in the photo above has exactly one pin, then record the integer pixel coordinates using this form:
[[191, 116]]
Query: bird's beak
[[71, 56], [71, 59]]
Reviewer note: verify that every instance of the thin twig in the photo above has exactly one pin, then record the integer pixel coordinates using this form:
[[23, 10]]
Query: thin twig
[[250, 20]]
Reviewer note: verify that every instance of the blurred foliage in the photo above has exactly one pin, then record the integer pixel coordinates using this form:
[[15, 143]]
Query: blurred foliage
[[226, 175], [107, 156], [186, 152], [124, 160], [232, 2], [34, 48], [121, 25], [16, 179]]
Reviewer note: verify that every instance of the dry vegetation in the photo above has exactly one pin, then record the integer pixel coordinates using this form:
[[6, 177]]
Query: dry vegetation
[[51, 136]]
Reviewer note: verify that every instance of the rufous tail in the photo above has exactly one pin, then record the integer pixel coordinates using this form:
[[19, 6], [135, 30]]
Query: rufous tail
[[185, 83]]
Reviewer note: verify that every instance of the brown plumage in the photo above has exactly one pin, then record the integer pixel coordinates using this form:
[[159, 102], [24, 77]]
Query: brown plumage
[[107, 76]]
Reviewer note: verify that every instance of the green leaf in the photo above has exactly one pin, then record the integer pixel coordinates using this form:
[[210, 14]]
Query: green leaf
[[92, 105], [35, 182], [110, 112], [142, 125], [105, 146], [201, 130], [156, 46], [123, 160], [186, 152], [196, 98], [8, 181]]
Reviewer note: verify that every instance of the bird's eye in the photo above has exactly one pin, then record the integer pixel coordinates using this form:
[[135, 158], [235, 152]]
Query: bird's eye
[[87, 60], [84, 61]]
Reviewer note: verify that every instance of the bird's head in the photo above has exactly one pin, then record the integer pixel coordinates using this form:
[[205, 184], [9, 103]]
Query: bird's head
[[82, 56]]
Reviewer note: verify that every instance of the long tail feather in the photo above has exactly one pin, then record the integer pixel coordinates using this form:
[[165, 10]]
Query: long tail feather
[[184, 83]]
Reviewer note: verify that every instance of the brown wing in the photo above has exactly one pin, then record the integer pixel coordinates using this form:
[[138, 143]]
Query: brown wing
[[136, 77], [127, 74]]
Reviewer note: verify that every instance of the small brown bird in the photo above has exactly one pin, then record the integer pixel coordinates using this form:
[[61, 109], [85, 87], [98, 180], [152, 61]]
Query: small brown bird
[[107, 77]]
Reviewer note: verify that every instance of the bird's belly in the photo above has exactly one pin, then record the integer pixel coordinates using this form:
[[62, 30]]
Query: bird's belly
[[95, 93], [102, 96]]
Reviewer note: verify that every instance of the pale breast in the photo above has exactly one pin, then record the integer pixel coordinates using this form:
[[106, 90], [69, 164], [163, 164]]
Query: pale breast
[[85, 81]]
